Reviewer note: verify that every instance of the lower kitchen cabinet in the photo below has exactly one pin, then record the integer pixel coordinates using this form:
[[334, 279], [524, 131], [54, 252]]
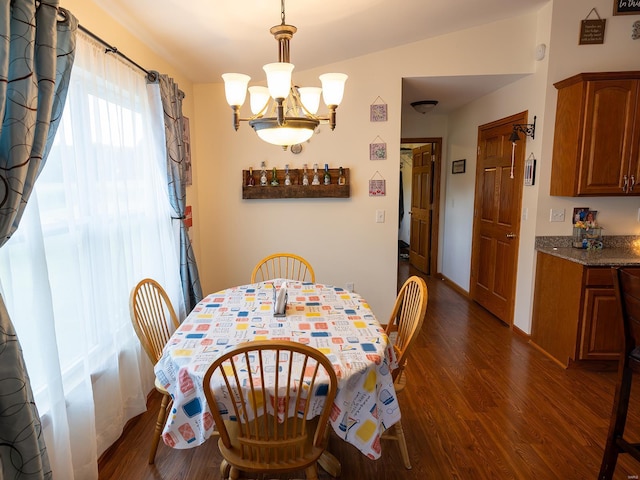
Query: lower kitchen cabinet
[[575, 313]]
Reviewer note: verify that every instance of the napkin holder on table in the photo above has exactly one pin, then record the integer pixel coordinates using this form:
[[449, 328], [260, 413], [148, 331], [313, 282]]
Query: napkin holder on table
[[280, 298]]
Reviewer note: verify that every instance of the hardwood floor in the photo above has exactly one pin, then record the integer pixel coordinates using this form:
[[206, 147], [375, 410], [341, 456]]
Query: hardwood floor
[[480, 403]]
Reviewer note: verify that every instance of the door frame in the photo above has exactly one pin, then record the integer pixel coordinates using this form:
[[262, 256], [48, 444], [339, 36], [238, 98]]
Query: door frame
[[435, 213]]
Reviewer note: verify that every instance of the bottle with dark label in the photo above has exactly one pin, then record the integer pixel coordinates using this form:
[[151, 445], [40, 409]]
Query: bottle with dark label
[[342, 180], [327, 177], [251, 181]]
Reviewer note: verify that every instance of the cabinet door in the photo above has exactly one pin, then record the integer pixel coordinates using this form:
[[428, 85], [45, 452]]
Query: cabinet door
[[601, 333], [608, 133], [635, 146]]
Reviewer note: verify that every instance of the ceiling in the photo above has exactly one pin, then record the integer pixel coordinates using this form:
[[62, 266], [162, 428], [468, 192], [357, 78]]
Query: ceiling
[[205, 38]]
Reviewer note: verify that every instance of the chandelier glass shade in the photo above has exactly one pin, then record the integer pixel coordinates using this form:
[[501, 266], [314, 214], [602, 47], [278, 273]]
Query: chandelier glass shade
[[282, 113]]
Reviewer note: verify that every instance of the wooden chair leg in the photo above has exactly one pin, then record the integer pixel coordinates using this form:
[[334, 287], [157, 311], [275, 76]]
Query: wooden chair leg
[[225, 469], [234, 473], [403, 445], [330, 464], [162, 418], [616, 427], [311, 472]]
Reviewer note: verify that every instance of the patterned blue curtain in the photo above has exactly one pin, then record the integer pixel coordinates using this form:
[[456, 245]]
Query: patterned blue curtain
[[36, 56], [171, 97]]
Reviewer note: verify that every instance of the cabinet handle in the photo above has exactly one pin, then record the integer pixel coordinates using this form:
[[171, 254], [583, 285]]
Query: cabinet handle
[[511, 235], [632, 184], [625, 184]]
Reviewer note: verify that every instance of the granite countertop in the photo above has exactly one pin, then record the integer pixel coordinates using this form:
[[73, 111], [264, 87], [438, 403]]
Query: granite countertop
[[618, 250], [604, 257]]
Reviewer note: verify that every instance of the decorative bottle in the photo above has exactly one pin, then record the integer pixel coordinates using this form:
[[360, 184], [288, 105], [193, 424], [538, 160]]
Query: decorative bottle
[[287, 178], [341, 178], [316, 179], [263, 175], [250, 180], [274, 177], [305, 175], [326, 177]]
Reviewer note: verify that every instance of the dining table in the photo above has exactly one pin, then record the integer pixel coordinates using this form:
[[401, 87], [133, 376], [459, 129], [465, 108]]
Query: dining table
[[337, 322]]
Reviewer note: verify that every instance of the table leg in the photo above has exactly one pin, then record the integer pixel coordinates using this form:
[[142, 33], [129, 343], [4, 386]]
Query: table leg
[[330, 464]]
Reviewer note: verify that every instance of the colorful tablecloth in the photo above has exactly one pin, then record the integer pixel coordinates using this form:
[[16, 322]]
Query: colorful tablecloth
[[338, 323]]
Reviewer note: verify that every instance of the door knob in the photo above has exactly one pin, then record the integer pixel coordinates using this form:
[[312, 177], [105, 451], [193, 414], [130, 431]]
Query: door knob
[[511, 235]]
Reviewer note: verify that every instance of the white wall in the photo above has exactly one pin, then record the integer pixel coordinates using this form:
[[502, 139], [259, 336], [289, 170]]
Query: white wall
[[339, 237], [619, 215]]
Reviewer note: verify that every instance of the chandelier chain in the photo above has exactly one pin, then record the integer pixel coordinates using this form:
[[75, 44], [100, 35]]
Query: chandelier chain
[[282, 16]]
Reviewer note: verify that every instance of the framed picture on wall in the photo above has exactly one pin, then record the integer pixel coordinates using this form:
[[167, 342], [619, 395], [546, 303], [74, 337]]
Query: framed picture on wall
[[458, 166]]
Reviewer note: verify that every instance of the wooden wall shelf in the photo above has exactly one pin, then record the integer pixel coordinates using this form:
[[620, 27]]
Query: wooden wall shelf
[[296, 189]]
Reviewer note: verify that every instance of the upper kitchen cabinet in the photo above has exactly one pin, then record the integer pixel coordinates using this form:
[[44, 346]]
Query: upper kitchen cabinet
[[596, 148]]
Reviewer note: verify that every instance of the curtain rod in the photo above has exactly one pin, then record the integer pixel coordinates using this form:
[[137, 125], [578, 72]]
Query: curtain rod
[[111, 49]]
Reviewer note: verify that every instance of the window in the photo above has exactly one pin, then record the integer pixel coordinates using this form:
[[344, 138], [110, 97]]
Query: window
[[98, 221]]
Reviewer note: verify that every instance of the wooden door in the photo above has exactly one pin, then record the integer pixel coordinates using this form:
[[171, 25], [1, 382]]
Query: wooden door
[[421, 204], [496, 224]]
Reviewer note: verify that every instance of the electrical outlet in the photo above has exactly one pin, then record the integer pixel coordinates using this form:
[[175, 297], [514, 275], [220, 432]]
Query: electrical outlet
[[556, 215], [379, 216], [349, 286]]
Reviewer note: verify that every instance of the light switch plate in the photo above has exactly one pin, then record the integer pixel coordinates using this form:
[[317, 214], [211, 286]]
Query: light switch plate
[[556, 215]]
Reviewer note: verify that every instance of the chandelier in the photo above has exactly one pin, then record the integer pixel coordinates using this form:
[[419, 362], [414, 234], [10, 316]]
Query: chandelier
[[282, 113]]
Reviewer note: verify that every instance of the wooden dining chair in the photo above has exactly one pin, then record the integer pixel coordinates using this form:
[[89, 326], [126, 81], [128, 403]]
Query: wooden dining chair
[[626, 281], [404, 325], [283, 265], [256, 440], [154, 320]]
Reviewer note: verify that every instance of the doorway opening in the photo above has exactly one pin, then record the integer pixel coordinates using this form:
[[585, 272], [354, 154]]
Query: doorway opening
[[419, 216]]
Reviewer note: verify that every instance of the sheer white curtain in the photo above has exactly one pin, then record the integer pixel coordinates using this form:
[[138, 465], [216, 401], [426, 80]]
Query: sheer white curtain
[[98, 221]]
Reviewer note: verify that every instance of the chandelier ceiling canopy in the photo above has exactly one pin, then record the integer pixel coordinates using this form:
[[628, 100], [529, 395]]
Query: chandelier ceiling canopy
[[282, 113]]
